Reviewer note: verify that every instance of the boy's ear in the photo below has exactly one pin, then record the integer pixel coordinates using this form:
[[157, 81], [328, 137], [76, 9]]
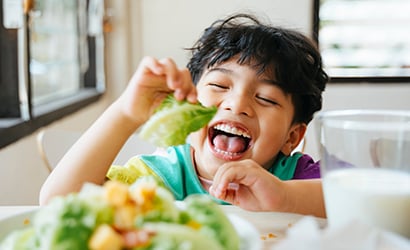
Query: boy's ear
[[296, 134]]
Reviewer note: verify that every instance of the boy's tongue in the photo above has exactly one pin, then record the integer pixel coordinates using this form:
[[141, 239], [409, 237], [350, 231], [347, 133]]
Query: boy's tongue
[[233, 144]]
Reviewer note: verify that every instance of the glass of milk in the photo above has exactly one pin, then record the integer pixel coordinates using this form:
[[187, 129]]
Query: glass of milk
[[365, 167]]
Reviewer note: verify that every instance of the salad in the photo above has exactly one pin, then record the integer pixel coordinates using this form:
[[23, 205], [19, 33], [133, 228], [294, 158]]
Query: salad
[[117, 216], [174, 120]]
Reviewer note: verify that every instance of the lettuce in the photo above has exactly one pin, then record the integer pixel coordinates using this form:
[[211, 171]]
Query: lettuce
[[68, 222], [176, 237], [214, 222], [23, 239], [162, 206], [174, 120]]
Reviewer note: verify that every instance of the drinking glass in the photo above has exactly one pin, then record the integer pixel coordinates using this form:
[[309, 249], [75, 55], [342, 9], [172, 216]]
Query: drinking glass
[[365, 167]]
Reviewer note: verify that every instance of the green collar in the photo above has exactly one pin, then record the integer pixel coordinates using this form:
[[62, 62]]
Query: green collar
[[284, 166]]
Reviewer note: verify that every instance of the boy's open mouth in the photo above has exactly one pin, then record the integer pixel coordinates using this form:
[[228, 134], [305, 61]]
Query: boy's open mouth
[[229, 140]]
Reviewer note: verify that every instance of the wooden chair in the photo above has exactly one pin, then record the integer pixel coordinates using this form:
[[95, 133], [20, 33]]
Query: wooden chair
[[52, 144]]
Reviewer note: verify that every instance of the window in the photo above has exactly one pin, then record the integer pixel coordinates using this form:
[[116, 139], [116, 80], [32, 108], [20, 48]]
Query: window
[[364, 40], [51, 63]]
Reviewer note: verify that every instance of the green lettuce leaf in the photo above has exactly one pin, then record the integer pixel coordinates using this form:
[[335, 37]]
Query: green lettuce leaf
[[214, 222], [68, 222], [170, 236], [174, 120]]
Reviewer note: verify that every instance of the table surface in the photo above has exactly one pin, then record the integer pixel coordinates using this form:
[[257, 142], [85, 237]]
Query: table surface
[[271, 226]]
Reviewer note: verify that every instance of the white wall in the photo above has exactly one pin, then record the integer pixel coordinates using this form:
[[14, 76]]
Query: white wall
[[162, 28], [170, 26]]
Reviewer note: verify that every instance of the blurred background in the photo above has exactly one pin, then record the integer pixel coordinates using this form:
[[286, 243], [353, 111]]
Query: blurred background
[[110, 37]]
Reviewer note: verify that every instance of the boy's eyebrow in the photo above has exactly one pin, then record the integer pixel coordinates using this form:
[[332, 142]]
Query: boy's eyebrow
[[223, 70], [230, 72], [270, 81]]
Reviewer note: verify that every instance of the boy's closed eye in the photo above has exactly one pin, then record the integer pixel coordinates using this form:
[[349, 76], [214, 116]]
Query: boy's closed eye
[[218, 86], [266, 100]]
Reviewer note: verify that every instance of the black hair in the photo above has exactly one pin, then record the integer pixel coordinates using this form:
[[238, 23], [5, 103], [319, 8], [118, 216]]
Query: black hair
[[292, 57]]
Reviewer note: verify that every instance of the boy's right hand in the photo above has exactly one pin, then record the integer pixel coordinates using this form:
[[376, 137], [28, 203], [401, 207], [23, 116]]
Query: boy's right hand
[[153, 80]]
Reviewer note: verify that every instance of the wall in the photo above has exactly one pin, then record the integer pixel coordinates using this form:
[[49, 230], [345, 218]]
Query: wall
[[162, 28], [170, 26]]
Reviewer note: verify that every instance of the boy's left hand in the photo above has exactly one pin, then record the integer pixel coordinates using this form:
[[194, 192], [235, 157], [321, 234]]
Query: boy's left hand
[[258, 189]]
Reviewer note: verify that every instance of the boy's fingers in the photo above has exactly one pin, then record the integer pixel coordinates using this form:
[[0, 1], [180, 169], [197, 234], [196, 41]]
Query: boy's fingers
[[179, 80], [153, 65], [171, 72], [188, 88]]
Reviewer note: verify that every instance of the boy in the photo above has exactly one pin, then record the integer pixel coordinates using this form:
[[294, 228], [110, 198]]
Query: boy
[[267, 84]]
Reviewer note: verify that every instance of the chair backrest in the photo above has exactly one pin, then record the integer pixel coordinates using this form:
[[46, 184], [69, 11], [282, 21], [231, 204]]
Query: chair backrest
[[52, 144]]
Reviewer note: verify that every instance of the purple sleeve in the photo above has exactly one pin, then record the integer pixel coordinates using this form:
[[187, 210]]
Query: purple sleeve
[[307, 168]]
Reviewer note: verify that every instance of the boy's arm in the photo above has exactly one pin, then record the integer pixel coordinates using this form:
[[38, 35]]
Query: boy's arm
[[90, 157], [305, 197]]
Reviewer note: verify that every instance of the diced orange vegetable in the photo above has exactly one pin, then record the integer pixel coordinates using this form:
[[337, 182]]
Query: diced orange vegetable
[[193, 224], [116, 193], [105, 238], [124, 216], [144, 194]]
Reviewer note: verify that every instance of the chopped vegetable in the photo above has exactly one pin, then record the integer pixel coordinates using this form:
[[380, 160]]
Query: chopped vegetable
[[118, 216], [68, 222], [174, 120], [214, 222], [176, 236], [19, 240]]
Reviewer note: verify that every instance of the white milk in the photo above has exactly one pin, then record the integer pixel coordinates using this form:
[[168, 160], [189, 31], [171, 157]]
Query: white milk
[[378, 197]]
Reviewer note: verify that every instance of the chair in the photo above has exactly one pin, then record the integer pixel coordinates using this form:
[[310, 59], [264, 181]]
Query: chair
[[53, 143]]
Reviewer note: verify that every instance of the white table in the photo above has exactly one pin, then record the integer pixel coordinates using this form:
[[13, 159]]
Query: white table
[[271, 226], [7, 211]]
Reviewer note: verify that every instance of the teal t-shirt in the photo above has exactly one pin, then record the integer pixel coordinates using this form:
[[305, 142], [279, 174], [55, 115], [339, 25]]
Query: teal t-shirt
[[177, 171]]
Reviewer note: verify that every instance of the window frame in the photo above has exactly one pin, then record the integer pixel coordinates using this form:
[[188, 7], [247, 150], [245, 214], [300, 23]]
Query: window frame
[[351, 79], [16, 125]]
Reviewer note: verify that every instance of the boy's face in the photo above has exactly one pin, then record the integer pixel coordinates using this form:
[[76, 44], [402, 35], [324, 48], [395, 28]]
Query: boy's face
[[254, 118]]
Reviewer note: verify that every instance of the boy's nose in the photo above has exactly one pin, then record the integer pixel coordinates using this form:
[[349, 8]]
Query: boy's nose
[[238, 104]]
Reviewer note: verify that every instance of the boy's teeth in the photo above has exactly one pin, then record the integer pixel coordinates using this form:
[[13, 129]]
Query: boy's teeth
[[232, 130]]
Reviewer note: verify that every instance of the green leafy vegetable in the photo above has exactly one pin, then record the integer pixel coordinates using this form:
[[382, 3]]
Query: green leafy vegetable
[[68, 222], [65, 223], [162, 204], [174, 120], [177, 236], [72, 221], [23, 239], [215, 223]]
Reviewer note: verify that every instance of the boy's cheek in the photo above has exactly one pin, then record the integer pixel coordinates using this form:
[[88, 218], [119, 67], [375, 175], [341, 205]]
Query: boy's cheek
[[198, 137], [205, 99]]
